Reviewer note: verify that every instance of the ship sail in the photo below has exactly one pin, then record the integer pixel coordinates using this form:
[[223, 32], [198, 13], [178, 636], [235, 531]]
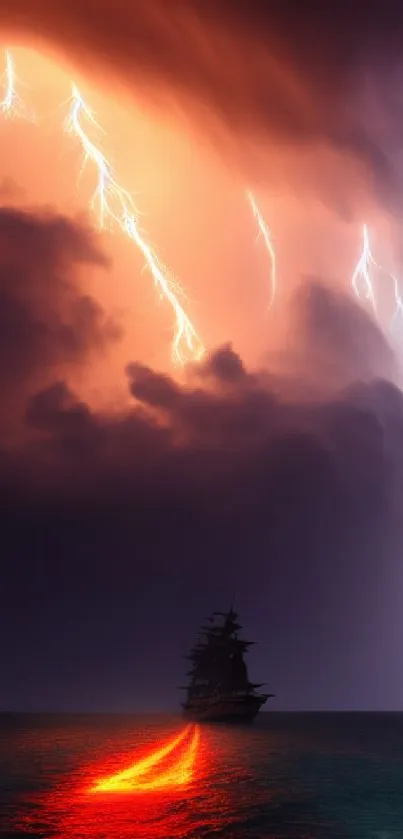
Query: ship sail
[[219, 685]]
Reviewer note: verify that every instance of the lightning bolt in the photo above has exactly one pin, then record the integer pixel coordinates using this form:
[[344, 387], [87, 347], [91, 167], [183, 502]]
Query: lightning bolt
[[362, 272], [264, 231], [398, 312], [7, 105], [11, 105], [114, 203]]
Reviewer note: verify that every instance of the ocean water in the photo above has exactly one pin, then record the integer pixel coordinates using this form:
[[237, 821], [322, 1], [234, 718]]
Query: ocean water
[[289, 776]]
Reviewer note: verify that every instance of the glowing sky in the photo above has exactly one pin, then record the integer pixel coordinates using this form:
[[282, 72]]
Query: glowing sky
[[195, 214], [276, 462]]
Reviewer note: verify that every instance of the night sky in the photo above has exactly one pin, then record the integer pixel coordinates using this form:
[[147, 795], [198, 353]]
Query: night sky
[[136, 498]]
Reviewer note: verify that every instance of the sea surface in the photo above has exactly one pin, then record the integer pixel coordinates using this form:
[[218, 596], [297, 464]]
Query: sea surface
[[289, 776]]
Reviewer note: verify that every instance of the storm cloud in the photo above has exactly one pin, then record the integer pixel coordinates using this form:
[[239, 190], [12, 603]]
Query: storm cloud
[[310, 74], [47, 323]]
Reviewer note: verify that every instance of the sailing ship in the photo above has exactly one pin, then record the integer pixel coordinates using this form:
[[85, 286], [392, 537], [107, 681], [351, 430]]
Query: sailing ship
[[219, 689]]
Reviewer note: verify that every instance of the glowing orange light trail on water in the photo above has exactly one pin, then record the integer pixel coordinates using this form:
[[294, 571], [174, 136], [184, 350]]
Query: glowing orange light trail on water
[[180, 774], [264, 230], [135, 777], [116, 204]]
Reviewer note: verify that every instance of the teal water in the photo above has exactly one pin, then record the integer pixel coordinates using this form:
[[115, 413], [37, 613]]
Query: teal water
[[290, 776]]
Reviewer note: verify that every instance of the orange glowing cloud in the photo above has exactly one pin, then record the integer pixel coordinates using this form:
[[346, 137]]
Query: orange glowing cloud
[[195, 210], [145, 775]]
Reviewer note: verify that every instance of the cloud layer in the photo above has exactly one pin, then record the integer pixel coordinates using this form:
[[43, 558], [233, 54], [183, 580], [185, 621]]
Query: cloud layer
[[310, 76], [47, 323]]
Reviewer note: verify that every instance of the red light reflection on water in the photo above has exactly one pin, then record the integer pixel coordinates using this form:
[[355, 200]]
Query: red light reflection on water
[[162, 769], [151, 799], [108, 780]]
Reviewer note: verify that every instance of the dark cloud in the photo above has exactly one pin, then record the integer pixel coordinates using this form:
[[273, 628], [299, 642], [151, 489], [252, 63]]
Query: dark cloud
[[221, 416], [336, 341], [47, 324], [298, 72], [224, 365], [210, 443]]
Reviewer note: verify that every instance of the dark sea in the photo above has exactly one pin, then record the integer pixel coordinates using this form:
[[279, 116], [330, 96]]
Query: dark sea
[[289, 776]]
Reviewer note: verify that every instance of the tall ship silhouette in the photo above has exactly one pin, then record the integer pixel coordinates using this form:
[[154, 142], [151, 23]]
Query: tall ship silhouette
[[219, 689]]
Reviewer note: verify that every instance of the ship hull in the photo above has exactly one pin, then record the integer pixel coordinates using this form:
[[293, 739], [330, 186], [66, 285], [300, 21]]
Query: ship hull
[[233, 711]]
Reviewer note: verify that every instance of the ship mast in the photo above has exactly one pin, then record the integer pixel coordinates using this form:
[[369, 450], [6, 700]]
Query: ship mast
[[217, 659]]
